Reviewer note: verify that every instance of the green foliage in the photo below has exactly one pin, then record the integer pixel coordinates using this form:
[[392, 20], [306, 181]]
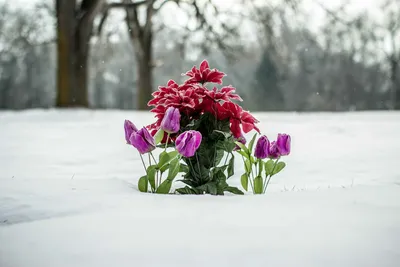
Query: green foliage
[[143, 184], [244, 180], [173, 169], [204, 175], [231, 166], [279, 166], [159, 136], [164, 187], [269, 166], [151, 176], [258, 185]]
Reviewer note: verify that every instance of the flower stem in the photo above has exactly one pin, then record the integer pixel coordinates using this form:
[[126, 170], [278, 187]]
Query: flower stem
[[226, 159], [251, 183], [198, 163], [155, 162], [269, 179], [166, 142], [191, 165], [252, 174], [144, 165]]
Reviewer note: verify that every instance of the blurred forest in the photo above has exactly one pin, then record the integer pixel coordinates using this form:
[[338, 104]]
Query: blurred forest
[[280, 64]]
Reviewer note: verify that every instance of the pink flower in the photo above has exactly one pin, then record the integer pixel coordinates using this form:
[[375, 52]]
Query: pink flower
[[204, 74]]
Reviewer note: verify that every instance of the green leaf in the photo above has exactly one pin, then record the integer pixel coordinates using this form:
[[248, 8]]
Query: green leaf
[[234, 190], [143, 184], [242, 147], [253, 159], [173, 169], [189, 191], [164, 168], [218, 170], [183, 168], [244, 154], [231, 166], [229, 145], [209, 188], [219, 155], [163, 159], [158, 137], [258, 185], [151, 176], [269, 166], [279, 167], [164, 187], [244, 180], [226, 135], [247, 166], [251, 144]]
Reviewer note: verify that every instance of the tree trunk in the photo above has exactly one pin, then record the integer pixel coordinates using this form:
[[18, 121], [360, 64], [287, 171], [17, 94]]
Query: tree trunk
[[144, 67], [66, 80], [74, 28], [395, 90], [144, 84]]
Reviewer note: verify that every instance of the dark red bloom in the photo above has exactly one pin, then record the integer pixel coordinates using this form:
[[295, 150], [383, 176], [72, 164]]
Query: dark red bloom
[[238, 118], [204, 74]]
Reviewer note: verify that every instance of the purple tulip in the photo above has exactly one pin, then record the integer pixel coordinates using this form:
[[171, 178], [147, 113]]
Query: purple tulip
[[129, 129], [188, 142], [283, 144], [262, 148], [171, 121], [273, 151], [143, 141]]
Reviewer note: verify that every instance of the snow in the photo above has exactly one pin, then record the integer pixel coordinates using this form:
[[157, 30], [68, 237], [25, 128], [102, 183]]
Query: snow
[[68, 197]]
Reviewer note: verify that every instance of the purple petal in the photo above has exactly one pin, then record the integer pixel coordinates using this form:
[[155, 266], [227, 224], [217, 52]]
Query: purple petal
[[147, 136], [196, 137], [262, 148], [129, 128], [139, 143], [171, 121], [283, 144], [180, 142]]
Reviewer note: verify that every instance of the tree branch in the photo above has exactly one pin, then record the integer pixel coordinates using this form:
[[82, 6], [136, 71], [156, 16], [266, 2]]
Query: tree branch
[[127, 4]]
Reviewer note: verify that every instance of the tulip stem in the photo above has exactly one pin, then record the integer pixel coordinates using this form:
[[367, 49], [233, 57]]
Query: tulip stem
[[144, 165], [226, 159], [249, 178], [155, 162], [198, 162], [166, 142], [269, 179], [191, 165]]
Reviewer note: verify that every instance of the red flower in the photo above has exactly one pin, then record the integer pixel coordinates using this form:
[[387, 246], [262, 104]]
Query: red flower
[[238, 118], [226, 94], [204, 74]]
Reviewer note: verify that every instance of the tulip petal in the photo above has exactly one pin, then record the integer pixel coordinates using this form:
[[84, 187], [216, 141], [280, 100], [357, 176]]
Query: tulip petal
[[139, 143]]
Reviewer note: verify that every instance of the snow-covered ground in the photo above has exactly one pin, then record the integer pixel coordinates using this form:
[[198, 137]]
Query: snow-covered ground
[[68, 197]]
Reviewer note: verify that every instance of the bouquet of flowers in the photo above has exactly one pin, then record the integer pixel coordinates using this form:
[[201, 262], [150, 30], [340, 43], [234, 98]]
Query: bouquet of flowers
[[199, 131]]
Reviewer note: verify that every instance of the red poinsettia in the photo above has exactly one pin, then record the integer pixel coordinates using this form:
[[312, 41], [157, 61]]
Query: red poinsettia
[[204, 74], [193, 99], [237, 117]]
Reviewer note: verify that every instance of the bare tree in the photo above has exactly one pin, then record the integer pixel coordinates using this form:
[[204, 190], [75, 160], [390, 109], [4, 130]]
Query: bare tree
[[74, 29], [391, 8], [142, 29]]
